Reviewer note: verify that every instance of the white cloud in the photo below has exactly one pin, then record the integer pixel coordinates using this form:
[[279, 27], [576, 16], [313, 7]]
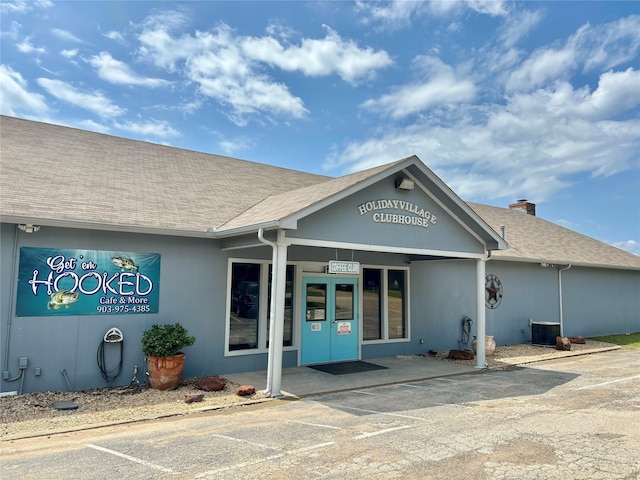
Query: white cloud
[[26, 47], [117, 72], [605, 46], [13, 32], [528, 148], [494, 8], [541, 67], [318, 57], [395, 14], [631, 246], [65, 35], [156, 128], [93, 101], [113, 35], [441, 88], [518, 26], [15, 97], [23, 6], [231, 69], [617, 93], [69, 53], [609, 45]]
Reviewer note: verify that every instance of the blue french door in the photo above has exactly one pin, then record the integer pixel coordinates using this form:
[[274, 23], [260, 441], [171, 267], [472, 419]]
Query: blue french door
[[330, 319]]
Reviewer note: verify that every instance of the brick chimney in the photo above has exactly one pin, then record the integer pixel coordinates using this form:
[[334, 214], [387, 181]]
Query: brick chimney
[[524, 206]]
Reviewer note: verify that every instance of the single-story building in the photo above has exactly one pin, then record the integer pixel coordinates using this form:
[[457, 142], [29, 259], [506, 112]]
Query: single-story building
[[269, 267]]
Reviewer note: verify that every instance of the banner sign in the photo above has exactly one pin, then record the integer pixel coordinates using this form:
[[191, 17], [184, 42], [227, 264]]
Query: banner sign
[[86, 282]]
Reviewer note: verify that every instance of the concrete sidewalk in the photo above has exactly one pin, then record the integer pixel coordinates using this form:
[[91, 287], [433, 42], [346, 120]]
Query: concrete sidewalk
[[304, 381]]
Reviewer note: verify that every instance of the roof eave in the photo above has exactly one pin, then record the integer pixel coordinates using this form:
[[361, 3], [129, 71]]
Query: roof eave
[[63, 223], [243, 230], [563, 262]]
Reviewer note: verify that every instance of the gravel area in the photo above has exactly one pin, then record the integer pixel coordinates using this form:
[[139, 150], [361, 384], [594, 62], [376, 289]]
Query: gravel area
[[33, 414]]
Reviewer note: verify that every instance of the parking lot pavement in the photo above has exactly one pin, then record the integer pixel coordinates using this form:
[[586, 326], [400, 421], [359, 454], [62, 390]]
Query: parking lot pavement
[[575, 418]]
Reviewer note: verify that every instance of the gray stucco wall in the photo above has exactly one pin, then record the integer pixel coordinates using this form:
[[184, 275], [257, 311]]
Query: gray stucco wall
[[343, 222], [442, 294], [598, 301], [529, 291], [192, 291]]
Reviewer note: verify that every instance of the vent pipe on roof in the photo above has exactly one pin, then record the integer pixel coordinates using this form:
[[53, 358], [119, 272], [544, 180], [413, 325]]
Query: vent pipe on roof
[[525, 206]]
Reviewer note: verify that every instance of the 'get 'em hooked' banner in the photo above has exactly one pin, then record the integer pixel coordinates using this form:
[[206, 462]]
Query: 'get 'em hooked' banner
[[86, 282]]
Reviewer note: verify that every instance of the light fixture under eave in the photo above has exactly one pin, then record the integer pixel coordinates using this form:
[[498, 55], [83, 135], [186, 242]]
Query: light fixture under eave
[[28, 228], [404, 184]]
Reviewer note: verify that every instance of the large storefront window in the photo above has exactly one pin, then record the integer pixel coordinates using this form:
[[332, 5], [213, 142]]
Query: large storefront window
[[384, 304], [250, 302], [372, 304], [396, 304], [245, 306]]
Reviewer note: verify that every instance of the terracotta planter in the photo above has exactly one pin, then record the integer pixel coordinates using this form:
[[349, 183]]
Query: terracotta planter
[[489, 345], [165, 373]]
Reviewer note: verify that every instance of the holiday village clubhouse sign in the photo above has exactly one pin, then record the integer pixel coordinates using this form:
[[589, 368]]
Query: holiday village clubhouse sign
[[86, 282]]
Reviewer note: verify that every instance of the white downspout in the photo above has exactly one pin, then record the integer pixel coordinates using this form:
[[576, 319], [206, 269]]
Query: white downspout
[[560, 297], [481, 361], [272, 309]]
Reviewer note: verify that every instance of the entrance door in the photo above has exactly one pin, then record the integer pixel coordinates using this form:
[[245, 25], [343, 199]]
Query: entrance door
[[330, 319]]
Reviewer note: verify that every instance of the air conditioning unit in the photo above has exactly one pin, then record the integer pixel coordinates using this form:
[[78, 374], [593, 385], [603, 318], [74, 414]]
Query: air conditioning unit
[[544, 333]]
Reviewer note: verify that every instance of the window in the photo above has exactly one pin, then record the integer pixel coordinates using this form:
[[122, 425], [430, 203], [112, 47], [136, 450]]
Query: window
[[245, 306], [344, 297], [384, 304], [250, 302], [372, 304]]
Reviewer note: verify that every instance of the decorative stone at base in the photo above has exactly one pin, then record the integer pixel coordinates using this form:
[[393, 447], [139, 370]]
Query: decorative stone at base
[[563, 343], [193, 397], [577, 340], [461, 355], [246, 390], [211, 384]]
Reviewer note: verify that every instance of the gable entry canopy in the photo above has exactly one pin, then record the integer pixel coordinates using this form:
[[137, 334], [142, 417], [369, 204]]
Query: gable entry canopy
[[281, 220]]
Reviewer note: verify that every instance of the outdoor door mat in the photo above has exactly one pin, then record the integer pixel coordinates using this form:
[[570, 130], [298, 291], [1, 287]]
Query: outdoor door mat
[[347, 367]]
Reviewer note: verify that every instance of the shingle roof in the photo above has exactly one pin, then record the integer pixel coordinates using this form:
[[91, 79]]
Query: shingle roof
[[535, 239], [279, 206], [59, 175]]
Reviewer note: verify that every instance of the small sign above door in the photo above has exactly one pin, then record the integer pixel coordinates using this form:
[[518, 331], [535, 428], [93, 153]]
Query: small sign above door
[[351, 268]]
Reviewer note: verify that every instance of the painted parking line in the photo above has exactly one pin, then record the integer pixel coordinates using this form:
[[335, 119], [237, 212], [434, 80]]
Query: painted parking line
[[626, 379], [129, 457], [333, 405], [247, 442], [381, 432], [265, 459], [314, 424]]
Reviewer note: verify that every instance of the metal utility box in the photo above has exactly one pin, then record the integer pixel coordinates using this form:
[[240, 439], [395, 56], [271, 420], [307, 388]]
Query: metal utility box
[[544, 333]]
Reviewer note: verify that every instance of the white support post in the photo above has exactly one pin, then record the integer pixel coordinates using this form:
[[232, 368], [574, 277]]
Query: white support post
[[277, 318], [481, 361], [272, 310]]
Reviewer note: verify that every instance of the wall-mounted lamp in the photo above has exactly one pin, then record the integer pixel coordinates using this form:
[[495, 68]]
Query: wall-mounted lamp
[[545, 265], [28, 228], [404, 184]]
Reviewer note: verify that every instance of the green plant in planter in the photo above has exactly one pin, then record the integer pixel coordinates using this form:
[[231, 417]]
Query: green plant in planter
[[165, 340]]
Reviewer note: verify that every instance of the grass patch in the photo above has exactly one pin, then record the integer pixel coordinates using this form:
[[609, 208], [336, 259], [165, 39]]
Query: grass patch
[[629, 341]]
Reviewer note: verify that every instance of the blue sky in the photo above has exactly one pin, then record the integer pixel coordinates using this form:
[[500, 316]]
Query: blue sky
[[502, 100]]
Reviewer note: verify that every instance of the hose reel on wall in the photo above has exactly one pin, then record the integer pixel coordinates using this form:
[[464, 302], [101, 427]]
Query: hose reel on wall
[[113, 335]]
